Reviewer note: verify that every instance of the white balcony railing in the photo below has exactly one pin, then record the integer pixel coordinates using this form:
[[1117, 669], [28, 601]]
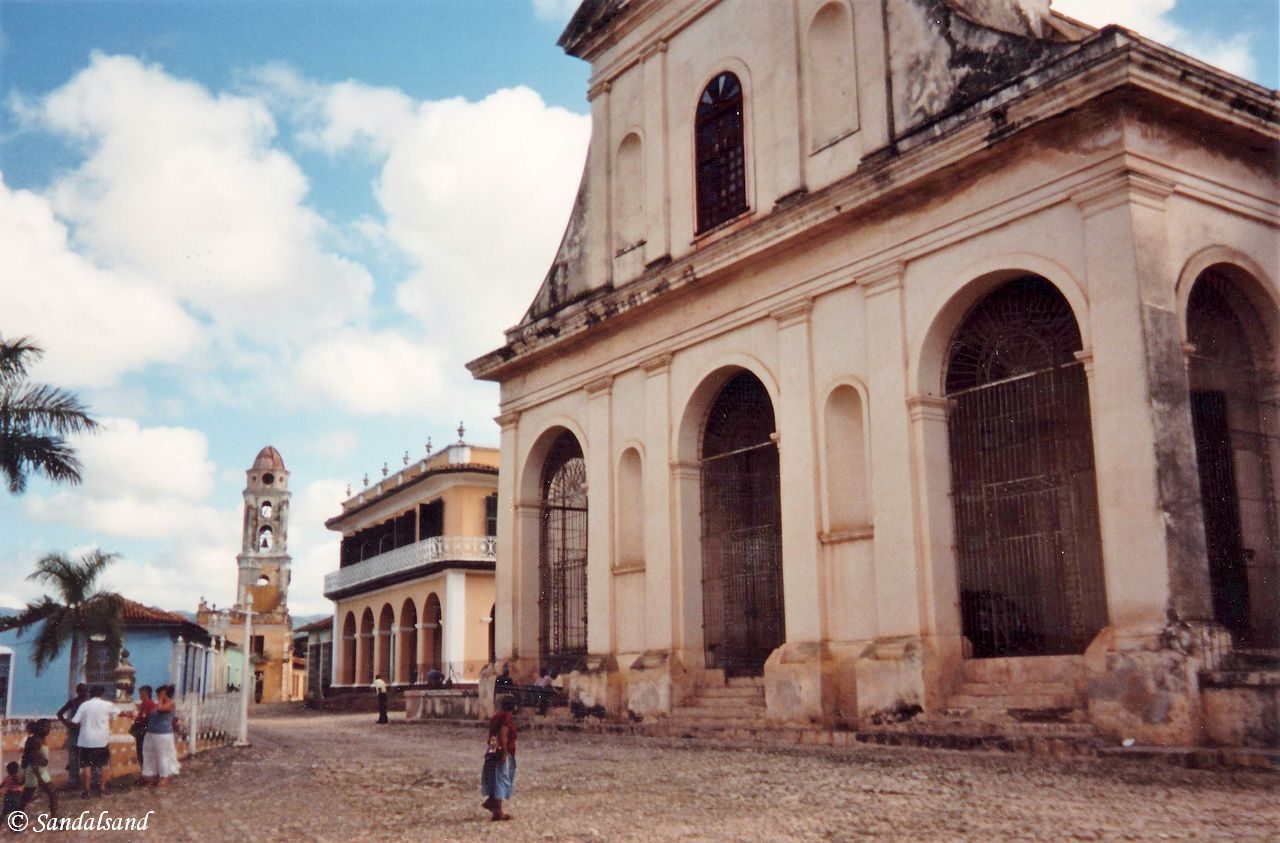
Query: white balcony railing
[[425, 552]]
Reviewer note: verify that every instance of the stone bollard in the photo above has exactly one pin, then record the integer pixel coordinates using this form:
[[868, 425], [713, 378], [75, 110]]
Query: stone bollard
[[121, 746]]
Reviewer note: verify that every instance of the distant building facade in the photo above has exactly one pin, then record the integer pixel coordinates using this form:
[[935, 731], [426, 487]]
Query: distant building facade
[[898, 354], [263, 573], [314, 643], [414, 587], [164, 648]]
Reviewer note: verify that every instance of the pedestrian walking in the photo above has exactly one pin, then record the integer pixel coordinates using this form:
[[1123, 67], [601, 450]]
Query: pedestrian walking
[[159, 754], [35, 760], [93, 742], [146, 705], [64, 715], [498, 776], [380, 688]]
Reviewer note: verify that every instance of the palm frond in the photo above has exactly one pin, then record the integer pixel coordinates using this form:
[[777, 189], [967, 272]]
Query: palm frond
[[50, 638], [21, 454], [33, 614], [40, 407], [16, 355]]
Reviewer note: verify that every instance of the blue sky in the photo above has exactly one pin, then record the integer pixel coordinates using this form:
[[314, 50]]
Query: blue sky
[[235, 223]]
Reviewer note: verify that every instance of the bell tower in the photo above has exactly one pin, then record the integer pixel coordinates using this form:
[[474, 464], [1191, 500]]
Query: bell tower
[[264, 546]]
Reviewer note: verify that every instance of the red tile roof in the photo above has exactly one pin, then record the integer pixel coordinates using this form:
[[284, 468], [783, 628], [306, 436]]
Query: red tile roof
[[133, 612]]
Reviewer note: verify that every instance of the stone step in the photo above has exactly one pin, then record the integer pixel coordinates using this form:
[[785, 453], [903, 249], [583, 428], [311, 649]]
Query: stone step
[[997, 689], [945, 723], [1024, 669], [745, 682], [712, 712], [1015, 715], [1005, 702], [1058, 746], [734, 692]]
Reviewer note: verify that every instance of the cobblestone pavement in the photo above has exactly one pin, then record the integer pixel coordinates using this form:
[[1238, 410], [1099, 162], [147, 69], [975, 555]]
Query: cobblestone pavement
[[338, 777]]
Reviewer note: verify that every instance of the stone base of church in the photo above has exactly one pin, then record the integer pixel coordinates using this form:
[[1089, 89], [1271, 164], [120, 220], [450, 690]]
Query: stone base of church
[[890, 681], [658, 681], [801, 684], [1146, 686], [597, 683]]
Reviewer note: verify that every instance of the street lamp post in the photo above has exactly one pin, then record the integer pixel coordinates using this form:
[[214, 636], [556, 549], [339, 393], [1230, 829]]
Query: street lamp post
[[247, 605]]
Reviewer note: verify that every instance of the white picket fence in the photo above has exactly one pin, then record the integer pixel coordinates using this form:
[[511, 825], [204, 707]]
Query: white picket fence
[[210, 721]]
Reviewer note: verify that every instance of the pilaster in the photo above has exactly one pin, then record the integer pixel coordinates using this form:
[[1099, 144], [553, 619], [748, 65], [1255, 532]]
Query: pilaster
[[599, 456], [659, 575]]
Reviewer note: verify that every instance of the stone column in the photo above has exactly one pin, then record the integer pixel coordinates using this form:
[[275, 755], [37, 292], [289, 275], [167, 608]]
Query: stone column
[[659, 573], [507, 602], [356, 679], [455, 623], [424, 655], [599, 456], [799, 680], [1142, 683], [1148, 488], [657, 226], [899, 597], [686, 569], [801, 586]]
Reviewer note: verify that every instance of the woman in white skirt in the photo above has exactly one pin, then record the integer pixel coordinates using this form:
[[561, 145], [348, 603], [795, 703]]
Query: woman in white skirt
[[159, 755]]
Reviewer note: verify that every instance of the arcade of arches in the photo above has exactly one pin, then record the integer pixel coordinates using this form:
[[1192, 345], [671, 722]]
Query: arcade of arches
[[402, 633]]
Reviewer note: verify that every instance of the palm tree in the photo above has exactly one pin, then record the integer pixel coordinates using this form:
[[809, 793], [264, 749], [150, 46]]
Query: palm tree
[[34, 419], [77, 612]]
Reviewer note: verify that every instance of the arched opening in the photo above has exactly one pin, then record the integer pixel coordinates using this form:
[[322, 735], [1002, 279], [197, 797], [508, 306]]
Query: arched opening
[[265, 538], [848, 505], [1234, 418], [741, 529], [386, 641], [629, 520], [432, 617], [720, 152], [348, 676], [366, 647], [562, 563], [1026, 512], [831, 76], [407, 647]]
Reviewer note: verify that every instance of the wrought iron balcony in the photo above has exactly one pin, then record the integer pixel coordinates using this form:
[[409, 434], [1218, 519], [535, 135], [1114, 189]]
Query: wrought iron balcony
[[409, 557]]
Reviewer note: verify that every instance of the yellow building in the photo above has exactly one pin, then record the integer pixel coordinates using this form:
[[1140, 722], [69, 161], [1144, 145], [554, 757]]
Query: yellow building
[[414, 590], [264, 571]]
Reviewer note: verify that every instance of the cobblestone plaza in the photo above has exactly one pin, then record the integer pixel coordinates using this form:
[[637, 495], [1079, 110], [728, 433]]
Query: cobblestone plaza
[[329, 778]]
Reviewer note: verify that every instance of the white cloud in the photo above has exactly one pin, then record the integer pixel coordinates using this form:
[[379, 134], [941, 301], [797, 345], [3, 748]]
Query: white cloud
[[186, 190], [373, 373], [94, 324], [1150, 18], [476, 194], [313, 547], [139, 482], [556, 10]]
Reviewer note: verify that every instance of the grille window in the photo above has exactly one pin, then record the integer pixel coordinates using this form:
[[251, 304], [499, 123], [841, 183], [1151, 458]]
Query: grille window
[[721, 158]]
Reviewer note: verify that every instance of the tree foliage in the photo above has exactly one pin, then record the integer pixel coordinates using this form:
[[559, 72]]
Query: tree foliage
[[76, 611], [35, 420]]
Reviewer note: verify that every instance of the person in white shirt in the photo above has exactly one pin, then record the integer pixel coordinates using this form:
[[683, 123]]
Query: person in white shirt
[[94, 719], [380, 688]]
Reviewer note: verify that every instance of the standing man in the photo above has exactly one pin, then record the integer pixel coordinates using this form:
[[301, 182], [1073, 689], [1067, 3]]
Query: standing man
[[64, 716], [94, 719], [380, 688]]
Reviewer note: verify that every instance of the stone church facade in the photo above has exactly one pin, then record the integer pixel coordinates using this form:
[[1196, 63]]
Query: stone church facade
[[897, 351]]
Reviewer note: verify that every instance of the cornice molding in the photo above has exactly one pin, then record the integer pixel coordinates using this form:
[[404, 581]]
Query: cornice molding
[[1127, 187], [599, 387], [928, 408], [657, 365], [793, 313], [884, 278]]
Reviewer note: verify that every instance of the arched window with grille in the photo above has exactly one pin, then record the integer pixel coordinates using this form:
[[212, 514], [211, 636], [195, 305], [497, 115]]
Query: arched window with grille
[[720, 153], [1026, 510], [562, 569]]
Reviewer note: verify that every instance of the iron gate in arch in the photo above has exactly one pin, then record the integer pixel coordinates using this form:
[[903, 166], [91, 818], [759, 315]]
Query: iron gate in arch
[[562, 566], [1023, 489], [742, 606]]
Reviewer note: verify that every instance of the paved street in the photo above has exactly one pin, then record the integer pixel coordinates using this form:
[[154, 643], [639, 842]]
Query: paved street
[[326, 777]]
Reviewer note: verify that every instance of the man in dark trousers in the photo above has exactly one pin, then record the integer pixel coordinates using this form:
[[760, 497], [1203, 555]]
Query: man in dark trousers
[[380, 688], [64, 715]]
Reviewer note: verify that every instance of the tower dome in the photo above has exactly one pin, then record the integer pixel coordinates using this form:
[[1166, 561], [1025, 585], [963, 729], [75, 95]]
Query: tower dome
[[269, 459]]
